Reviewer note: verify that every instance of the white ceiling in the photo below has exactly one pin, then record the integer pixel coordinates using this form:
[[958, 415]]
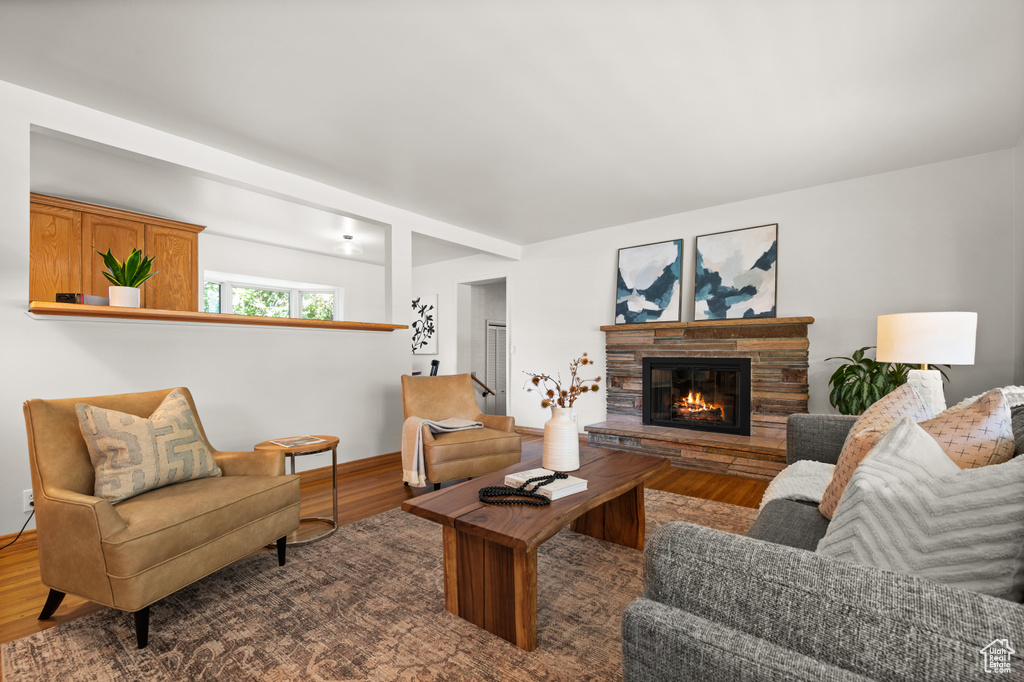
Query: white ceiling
[[529, 120]]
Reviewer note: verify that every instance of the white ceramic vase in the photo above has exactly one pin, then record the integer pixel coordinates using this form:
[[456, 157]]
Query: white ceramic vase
[[561, 441], [125, 297]]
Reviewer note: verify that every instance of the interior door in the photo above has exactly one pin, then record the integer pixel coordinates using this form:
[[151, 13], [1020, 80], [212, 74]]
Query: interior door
[[496, 370]]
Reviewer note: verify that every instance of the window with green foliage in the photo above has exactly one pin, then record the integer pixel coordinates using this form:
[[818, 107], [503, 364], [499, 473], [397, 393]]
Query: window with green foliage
[[263, 297], [260, 302], [317, 305], [211, 297]]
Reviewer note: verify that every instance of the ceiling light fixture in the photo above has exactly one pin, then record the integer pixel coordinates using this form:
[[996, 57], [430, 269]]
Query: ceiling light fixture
[[349, 246]]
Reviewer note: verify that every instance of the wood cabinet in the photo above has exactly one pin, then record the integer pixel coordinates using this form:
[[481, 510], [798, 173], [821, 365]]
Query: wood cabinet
[[64, 238]]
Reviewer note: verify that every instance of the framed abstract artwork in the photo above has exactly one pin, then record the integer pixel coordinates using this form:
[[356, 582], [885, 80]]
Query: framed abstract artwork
[[424, 325], [736, 273], [648, 283]]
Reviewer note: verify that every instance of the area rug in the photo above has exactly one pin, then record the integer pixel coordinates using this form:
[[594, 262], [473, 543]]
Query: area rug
[[366, 604]]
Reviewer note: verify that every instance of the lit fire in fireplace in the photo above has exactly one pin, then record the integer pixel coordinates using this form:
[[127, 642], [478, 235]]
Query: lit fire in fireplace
[[692, 406]]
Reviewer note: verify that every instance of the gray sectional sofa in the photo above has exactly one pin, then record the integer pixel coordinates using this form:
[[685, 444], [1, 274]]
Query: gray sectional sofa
[[722, 607]]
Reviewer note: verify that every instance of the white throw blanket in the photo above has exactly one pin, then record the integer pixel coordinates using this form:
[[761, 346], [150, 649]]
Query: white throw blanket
[[802, 480], [414, 469]]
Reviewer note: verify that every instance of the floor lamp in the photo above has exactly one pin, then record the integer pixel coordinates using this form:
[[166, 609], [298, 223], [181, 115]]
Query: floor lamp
[[927, 339]]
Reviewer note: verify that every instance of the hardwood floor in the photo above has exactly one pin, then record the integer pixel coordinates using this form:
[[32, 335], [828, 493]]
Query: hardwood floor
[[361, 493]]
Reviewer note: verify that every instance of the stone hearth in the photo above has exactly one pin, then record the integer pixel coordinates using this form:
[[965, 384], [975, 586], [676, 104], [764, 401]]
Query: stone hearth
[[777, 348]]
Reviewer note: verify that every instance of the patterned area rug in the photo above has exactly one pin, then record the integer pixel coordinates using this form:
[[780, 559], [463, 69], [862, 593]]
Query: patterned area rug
[[366, 604]]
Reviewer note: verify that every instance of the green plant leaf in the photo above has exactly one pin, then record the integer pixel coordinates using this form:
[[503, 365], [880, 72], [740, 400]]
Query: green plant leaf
[[131, 266]]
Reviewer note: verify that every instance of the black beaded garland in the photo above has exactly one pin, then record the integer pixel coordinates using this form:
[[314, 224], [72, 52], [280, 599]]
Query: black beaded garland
[[500, 494]]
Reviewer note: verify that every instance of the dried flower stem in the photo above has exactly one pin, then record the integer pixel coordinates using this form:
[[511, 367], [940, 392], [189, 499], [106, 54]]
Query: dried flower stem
[[550, 387]]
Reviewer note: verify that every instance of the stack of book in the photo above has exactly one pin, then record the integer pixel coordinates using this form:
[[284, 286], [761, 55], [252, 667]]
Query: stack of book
[[558, 488]]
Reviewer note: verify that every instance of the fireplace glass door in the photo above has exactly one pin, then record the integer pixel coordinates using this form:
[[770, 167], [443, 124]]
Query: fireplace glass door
[[705, 395]]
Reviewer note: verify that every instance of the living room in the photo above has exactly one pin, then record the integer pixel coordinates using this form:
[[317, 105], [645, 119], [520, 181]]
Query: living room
[[895, 175]]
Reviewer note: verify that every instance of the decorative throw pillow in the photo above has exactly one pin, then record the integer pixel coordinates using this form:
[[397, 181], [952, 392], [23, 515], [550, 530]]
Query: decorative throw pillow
[[132, 454], [909, 508], [868, 430], [977, 434]]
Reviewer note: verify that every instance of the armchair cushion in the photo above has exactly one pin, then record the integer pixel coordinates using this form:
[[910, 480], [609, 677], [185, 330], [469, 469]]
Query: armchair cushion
[[132, 454]]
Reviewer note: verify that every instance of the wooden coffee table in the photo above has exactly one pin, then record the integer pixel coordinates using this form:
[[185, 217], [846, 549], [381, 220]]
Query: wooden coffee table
[[490, 552]]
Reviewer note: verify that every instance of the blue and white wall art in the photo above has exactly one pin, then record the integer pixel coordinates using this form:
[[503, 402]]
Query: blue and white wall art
[[736, 272], [648, 283]]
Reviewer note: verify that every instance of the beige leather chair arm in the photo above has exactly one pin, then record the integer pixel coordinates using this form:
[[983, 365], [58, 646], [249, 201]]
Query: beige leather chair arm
[[498, 422], [81, 515], [258, 463]]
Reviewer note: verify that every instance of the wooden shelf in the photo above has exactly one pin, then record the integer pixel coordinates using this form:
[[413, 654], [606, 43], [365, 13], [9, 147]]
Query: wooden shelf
[[744, 322], [118, 313]]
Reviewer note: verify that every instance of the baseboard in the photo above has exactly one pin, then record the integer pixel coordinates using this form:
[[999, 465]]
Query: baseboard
[[530, 431], [352, 467], [29, 536]]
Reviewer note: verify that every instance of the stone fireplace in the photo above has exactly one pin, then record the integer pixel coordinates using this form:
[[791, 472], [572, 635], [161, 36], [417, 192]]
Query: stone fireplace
[[774, 349]]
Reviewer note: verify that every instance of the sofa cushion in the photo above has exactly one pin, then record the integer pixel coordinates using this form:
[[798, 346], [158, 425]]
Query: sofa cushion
[[909, 508], [457, 445], [791, 523], [132, 454], [868, 430], [174, 520]]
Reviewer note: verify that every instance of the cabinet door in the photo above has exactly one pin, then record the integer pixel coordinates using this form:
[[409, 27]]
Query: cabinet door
[[176, 258], [55, 252], [118, 235]]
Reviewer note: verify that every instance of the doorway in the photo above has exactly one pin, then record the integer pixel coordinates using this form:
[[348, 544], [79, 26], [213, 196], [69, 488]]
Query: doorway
[[482, 347]]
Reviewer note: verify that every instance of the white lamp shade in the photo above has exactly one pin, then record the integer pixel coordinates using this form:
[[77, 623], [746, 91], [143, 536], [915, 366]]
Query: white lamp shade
[[927, 338]]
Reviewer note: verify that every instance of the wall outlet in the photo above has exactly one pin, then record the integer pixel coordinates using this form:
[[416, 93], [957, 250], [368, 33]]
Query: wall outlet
[[26, 501]]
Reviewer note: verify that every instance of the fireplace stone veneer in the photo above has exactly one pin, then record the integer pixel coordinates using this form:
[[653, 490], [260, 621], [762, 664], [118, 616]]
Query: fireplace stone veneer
[[777, 349]]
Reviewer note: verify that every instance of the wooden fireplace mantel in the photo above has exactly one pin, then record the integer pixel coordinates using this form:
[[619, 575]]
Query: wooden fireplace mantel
[[746, 322]]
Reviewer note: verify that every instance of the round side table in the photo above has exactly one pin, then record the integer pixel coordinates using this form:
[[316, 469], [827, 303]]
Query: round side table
[[292, 451]]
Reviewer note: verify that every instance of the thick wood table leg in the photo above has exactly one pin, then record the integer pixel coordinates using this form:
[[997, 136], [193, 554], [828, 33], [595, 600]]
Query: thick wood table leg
[[619, 520], [492, 586]]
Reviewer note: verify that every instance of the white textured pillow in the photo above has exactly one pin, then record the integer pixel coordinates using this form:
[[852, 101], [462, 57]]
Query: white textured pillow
[[909, 508]]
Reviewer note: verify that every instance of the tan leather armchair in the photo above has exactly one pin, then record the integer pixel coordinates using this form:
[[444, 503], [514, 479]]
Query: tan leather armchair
[[129, 555], [459, 454]]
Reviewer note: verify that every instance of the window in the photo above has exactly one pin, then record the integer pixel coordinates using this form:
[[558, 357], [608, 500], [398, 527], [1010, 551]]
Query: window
[[259, 296]]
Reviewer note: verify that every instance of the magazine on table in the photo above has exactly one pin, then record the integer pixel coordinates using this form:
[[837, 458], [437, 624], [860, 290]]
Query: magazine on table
[[295, 441], [554, 490]]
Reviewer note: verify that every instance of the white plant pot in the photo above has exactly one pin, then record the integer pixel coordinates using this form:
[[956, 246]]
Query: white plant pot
[[561, 441], [125, 297]]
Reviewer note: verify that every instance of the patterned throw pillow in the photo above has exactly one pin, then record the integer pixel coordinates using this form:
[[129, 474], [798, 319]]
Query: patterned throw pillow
[[909, 508], [132, 454], [977, 434], [868, 430]]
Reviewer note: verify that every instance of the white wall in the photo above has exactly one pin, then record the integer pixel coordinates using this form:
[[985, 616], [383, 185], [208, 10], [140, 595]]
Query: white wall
[[337, 382], [936, 237], [1018, 259]]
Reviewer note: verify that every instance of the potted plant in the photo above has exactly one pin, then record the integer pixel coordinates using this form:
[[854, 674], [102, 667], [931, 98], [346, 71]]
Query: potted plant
[[126, 277], [561, 437], [862, 381]]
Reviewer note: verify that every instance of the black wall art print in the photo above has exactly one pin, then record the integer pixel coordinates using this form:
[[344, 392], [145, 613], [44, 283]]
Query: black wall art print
[[424, 325], [736, 274]]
